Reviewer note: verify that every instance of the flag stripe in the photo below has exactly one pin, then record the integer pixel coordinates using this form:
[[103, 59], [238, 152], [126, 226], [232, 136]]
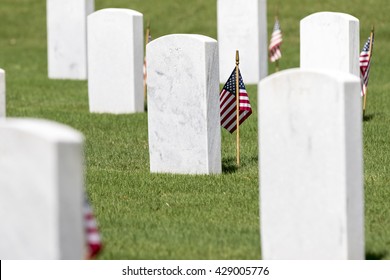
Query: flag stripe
[[93, 239], [275, 42], [228, 115], [231, 106], [365, 63], [228, 106], [145, 68], [243, 116]]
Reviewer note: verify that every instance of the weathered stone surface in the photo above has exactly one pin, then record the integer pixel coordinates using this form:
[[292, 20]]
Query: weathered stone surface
[[183, 105]]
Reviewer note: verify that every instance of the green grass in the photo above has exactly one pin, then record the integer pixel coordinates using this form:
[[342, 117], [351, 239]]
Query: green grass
[[150, 216]]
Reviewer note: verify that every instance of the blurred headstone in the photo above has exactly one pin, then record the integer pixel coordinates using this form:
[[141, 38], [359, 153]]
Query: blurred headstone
[[242, 25], [330, 40], [311, 166], [2, 94], [115, 61], [41, 190], [67, 38]]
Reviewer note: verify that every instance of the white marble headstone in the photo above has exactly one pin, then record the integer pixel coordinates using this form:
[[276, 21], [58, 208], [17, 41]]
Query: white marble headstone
[[2, 93], [41, 190], [183, 105], [330, 40], [242, 25], [311, 166], [67, 38], [115, 61]]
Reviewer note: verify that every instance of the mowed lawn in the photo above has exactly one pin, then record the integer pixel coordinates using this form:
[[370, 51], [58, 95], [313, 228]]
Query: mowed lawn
[[162, 216]]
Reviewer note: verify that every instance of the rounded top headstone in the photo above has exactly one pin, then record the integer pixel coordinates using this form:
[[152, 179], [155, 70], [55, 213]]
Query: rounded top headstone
[[115, 11], [336, 75], [46, 129], [329, 15], [182, 37]]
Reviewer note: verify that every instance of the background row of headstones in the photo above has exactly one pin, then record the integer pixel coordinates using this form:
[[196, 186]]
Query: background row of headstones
[[241, 25], [309, 131]]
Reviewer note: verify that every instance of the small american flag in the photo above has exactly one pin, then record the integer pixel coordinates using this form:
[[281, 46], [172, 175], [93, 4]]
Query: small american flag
[[147, 42], [227, 99], [94, 244], [365, 63], [145, 73], [276, 41]]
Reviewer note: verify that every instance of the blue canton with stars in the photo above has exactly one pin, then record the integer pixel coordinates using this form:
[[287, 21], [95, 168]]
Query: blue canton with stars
[[230, 85], [366, 47]]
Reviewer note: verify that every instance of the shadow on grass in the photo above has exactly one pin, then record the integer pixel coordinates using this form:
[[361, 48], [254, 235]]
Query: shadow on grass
[[369, 117], [375, 255], [229, 165]]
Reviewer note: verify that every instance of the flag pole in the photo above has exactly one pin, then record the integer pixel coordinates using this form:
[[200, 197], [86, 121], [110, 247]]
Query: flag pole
[[369, 58], [146, 42], [238, 107]]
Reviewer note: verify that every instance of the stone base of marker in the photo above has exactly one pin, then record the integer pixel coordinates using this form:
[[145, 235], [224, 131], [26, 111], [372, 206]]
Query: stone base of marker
[[311, 166], [67, 38], [242, 25], [2, 93], [330, 41], [115, 55], [41, 191], [183, 105]]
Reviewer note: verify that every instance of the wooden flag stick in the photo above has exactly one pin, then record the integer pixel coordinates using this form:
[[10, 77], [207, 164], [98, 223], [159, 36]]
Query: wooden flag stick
[[147, 33], [146, 42], [369, 58], [238, 107], [364, 99]]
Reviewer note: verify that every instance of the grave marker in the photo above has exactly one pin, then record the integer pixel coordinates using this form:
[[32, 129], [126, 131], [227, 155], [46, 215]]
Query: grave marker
[[242, 25], [67, 38], [311, 166], [115, 55], [183, 105], [330, 40], [41, 185], [2, 93]]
